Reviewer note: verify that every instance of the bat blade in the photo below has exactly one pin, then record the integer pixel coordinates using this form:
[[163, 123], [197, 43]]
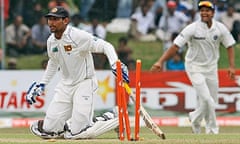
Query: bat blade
[[146, 117], [151, 124]]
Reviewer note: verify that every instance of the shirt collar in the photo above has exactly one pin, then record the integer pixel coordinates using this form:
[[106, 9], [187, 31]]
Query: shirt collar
[[65, 33], [67, 30], [205, 25]]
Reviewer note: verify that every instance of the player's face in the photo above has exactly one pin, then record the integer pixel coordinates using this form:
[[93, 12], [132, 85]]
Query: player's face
[[206, 14], [56, 24]]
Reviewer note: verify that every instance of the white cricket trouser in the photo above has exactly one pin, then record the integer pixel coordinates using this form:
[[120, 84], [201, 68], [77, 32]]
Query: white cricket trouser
[[71, 102], [206, 86]]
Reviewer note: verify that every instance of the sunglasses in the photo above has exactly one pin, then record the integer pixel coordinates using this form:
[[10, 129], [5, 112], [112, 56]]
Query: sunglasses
[[206, 4]]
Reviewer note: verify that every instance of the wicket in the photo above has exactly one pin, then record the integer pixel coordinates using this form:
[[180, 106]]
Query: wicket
[[137, 105], [122, 104]]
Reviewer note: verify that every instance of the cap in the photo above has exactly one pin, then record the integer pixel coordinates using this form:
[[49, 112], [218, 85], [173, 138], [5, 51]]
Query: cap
[[58, 11], [208, 4], [171, 4]]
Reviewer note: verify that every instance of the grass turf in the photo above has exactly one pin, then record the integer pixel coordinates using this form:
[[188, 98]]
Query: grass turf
[[174, 135]]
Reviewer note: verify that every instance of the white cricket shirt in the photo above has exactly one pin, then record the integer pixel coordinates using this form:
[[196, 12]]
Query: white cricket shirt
[[143, 22], [203, 44], [72, 54]]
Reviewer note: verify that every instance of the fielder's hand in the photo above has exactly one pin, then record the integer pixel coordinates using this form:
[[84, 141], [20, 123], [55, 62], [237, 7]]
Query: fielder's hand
[[34, 91], [157, 67], [124, 71], [231, 73]]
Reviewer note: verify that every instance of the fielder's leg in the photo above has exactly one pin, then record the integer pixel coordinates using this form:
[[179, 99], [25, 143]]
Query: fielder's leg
[[205, 100], [210, 118], [196, 116]]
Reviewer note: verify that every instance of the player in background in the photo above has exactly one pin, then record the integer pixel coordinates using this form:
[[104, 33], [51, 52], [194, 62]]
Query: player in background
[[203, 38], [70, 113]]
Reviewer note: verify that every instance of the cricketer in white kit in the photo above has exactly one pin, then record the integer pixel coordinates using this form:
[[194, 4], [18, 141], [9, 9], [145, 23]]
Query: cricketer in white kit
[[203, 38], [70, 113]]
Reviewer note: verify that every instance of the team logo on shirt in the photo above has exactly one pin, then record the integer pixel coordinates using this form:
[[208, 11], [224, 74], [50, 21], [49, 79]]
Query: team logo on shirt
[[215, 37], [68, 48], [54, 49]]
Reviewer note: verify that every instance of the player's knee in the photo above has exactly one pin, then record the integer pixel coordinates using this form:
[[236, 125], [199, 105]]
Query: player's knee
[[197, 79]]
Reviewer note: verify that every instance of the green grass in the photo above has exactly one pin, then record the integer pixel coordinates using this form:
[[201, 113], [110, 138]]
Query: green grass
[[148, 52], [174, 135]]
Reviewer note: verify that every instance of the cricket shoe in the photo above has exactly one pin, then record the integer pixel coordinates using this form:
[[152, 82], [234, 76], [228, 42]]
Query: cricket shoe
[[105, 116], [212, 130], [196, 127], [36, 129]]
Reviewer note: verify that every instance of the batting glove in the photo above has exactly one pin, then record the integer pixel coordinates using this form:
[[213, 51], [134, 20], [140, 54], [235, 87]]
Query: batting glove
[[34, 91], [124, 71]]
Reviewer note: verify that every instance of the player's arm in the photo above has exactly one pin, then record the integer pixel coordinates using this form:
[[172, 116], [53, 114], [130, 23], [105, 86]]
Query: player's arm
[[50, 71], [178, 42], [38, 88], [231, 59], [158, 66], [228, 41], [52, 66], [101, 46]]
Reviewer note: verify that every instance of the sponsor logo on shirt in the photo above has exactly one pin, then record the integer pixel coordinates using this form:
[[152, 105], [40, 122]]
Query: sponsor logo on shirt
[[199, 38], [68, 48]]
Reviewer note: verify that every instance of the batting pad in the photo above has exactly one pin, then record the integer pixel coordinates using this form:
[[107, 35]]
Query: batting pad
[[98, 128]]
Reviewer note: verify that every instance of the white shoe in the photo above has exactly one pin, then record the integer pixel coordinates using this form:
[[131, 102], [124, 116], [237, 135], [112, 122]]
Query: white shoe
[[212, 130], [36, 129], [196, 129], [106, 116]]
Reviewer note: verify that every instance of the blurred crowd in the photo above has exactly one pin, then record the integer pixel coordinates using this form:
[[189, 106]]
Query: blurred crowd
[[142, 20]]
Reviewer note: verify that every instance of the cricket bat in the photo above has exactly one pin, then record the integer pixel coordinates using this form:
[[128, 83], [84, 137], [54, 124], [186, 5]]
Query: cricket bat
[[146, 117]]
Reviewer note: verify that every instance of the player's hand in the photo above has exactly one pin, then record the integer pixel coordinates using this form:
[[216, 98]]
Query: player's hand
[[157, 67], [34, 91], [231, 73], [124, 71]]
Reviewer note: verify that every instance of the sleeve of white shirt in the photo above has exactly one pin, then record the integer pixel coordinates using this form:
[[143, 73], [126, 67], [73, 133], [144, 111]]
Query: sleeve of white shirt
[[101, 46], [227, 38], [25, 28], [97, 45], [9, 35], [51, 68], [134, 16], [185, 35], [101, 32], [152, 25]]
